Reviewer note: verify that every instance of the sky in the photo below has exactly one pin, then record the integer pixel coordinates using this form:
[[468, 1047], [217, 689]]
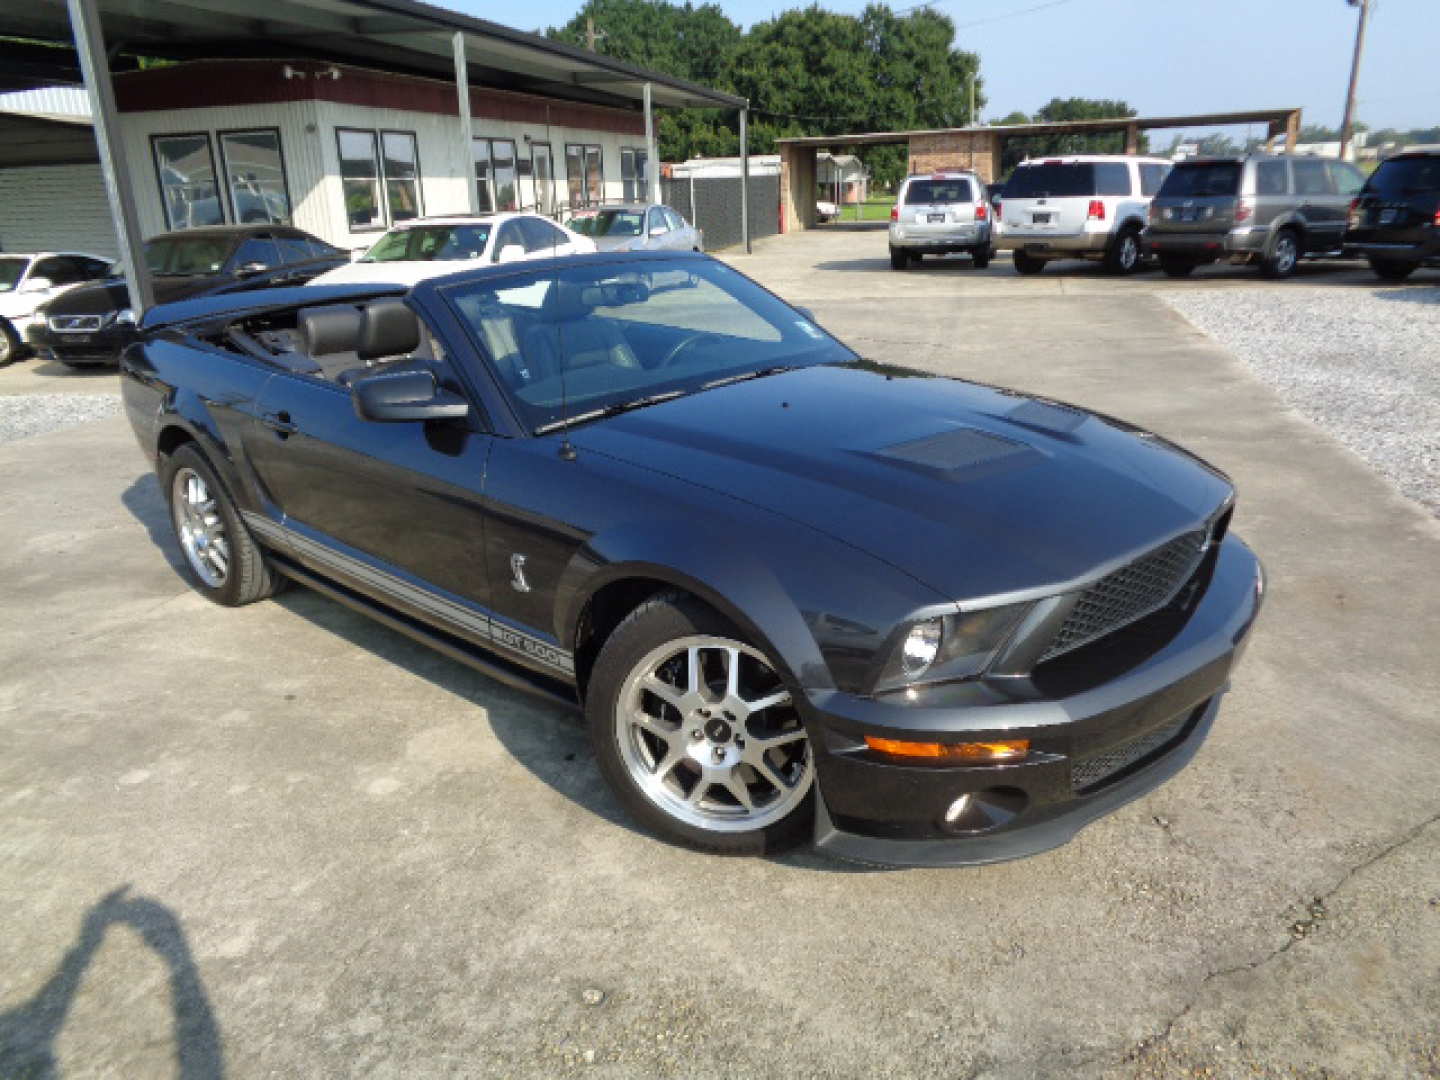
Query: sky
[[1164, 57]]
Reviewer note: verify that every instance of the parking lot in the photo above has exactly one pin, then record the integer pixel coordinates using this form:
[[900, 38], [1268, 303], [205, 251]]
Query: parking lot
[[284, 840]]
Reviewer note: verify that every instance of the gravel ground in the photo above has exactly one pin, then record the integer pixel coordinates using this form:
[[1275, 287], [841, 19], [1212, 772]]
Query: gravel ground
[[1363, 364], [23, 415]]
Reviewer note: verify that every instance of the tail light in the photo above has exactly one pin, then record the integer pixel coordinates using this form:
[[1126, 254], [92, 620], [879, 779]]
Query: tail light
[[1097, 210], [1355, 214], [1436, 219], [981, 213], [894, 213], [997, 209], [1154, 214], [1244, 211]]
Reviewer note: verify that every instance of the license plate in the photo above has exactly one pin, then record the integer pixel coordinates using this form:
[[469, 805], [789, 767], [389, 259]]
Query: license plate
[[935, 219], [79, 339], [1040, 219], [1387, 216]]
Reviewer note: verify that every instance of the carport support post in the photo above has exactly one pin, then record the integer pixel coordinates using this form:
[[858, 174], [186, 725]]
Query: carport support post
[[652, 167], [467, 129], [95, 66], [745, 176]]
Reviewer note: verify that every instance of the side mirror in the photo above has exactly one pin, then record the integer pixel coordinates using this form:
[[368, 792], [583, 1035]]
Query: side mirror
[[37, 284], [509, 253], [250, 269], [809, 315], [405, 395]]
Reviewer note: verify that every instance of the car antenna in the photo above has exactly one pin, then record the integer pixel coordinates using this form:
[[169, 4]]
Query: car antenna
[[567, 448]]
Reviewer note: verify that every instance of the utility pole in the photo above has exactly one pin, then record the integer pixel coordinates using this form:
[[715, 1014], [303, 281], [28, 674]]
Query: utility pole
[[972, 99], [1348, 124], [591, 34]]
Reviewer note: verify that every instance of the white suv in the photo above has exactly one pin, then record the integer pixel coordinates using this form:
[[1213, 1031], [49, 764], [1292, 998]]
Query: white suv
[[1079, 206], [938, 213]]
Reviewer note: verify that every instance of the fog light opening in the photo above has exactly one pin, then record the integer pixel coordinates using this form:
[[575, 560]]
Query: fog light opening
[[958, 808]]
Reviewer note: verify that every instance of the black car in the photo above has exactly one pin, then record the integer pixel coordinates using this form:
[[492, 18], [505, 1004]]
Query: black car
[[93, 324], [797, 594], [1395, 220]]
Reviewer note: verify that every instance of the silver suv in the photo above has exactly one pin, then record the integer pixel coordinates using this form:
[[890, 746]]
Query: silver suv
[[940, 213], [1264, 208], [1078, 206]]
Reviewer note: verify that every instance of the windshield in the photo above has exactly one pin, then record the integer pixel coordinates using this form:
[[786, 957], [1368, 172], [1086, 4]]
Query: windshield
[[1203, 179], [615, 223], [1399, 178], [187, 256], [567, 346], [431, 243], [937, 192], [1051, 179], [11, 271]]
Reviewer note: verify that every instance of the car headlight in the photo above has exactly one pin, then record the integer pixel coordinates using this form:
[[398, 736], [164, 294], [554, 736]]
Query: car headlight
[[949, 647], [125, 316]]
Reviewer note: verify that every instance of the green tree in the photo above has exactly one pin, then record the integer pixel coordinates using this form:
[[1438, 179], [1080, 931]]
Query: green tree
[[1059, 110]]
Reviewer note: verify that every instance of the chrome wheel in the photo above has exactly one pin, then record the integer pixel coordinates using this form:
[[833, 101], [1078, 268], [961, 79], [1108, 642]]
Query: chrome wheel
[[710, 736], [1129, 252], [200, 527], [1286, 253]]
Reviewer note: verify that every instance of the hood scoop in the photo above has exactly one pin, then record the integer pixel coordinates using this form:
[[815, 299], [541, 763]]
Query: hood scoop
[[957, 449]]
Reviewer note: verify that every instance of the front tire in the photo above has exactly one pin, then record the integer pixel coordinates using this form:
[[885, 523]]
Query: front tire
[[1124, 255], [1279, 262], [698, 735], [1390, 270], [10, 344], [899, 258], [224, 563], [1177, 266], [1027, 264], [982, 257]]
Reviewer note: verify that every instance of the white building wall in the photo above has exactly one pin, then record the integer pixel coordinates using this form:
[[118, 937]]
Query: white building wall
[[558, 136], [56, 208]]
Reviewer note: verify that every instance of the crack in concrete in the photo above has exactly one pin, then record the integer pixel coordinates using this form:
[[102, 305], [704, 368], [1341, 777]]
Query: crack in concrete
[[1150, 1043]]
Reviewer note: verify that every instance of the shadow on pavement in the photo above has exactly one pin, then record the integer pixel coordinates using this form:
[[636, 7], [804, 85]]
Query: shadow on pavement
[[146, 504], [1412, 292], [28, 1032]]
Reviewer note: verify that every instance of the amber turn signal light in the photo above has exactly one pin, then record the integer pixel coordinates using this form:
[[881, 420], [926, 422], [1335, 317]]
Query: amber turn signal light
[[974, 752]]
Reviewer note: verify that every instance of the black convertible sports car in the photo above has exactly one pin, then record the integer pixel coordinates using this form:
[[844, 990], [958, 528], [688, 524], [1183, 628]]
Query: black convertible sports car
[[796, 594]]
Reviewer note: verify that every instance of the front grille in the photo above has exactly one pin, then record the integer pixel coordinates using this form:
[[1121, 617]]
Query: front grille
[[1129, 594], [1092, 771], [75, 324]]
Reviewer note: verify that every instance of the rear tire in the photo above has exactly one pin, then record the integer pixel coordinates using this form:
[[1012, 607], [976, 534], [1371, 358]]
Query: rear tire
[[683, 745], [1027, 264], [899, 258], [1284, 254], [1124, 256], [1390, 270], [982, 257], [1176, 266], [10, 345], [222, 559]]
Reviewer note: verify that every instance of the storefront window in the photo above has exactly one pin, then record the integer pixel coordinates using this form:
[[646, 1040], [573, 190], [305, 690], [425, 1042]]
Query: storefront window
[[585, 175], [401, 175], [255, 175], [360, 179], [633, 160], [185, 166]]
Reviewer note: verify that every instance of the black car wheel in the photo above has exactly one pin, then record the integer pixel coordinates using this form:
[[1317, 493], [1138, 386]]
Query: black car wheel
[[698, 735], [225, 563], [1390, 270], [1123, 256], [899, 259], [10, 345], [1028, 264], [1177, 265], [1284, 253], [982, 257]]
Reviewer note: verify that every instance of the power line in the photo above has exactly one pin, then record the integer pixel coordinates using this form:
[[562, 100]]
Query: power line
[[990, 19]]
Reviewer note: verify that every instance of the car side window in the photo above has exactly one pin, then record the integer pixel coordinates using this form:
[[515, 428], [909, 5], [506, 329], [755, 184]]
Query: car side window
[[59, 269], [657, 221], [1151, 177], [1270, 178], [507, 235], [94, 268], [1310, 177], [1347, 179], [1112, 178], [676, 221], [541, 235], [256, 249], [293, 249]]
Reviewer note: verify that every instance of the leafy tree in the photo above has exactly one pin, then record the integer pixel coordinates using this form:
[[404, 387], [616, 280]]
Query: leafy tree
[[1011, 118], [1058, 110]]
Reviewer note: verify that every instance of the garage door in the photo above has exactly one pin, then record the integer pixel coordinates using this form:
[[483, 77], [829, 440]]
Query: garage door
[[55, 208]]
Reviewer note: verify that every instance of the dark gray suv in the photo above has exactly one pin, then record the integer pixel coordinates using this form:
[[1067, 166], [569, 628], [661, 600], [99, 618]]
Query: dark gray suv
[[1265, 209]]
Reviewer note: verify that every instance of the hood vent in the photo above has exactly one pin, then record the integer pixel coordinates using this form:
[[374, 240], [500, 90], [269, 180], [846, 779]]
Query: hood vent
[[958, 448]]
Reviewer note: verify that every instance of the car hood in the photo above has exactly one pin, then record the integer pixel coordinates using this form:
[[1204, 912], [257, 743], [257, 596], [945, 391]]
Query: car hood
[[112, 295], [394, 273], [975, 491]]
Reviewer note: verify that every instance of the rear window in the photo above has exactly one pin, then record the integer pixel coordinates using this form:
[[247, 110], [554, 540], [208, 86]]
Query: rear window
[[1203, 178], [1052, 179], [1399, 178], [938, 192], [1151, 177]]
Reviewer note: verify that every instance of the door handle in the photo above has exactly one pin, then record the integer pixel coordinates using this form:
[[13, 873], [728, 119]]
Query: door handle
[[280, 423]]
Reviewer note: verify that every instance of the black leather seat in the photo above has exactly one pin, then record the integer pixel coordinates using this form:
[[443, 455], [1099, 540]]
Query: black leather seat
[[332, 338], [569, 332]]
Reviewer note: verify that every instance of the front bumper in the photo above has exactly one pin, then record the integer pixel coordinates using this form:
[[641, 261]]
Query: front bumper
[[102, 346], [1094, 745]]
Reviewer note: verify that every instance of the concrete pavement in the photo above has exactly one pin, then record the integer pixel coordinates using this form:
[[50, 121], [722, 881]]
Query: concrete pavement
[[346, 855]]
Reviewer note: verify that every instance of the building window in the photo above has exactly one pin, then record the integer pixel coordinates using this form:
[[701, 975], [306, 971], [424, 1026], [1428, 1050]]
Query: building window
[[371, 161], [185, 165], [497, 184], [254, 170], [543, 169], [584, 174], [633, 161]]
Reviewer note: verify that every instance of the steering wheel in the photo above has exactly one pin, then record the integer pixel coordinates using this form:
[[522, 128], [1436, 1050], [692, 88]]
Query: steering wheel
[[685, 343]]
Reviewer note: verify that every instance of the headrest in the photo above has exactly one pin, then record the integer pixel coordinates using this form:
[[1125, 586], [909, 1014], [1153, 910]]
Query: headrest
[[334, 329], [566, 301], [387, 328]]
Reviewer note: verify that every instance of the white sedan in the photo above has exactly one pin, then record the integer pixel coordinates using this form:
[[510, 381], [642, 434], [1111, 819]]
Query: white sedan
[[432, 247], [29, 280]]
